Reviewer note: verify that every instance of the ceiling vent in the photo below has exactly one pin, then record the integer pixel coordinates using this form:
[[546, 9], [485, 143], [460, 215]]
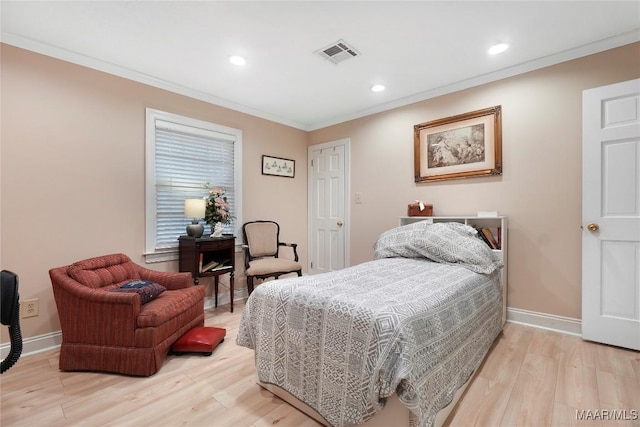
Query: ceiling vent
[[337, 52]]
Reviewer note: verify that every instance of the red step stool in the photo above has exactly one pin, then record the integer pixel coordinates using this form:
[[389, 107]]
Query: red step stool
[[201, 339]]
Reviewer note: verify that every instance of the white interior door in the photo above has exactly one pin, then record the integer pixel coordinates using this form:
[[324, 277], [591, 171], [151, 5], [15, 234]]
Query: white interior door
[[611, 215], [328, 206]]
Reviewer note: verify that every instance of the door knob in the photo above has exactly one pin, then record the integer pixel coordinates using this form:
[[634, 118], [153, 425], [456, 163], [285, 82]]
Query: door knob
[[340, 223], [593, 227]]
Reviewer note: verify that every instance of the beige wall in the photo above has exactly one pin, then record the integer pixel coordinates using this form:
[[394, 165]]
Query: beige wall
[[540, 190], [72, 170]]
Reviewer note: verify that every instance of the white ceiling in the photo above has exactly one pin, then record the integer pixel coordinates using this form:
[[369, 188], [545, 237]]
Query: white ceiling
[[417, 49]]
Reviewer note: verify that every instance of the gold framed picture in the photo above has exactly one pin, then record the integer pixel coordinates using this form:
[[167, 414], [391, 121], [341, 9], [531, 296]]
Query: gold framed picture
[[462, 146]]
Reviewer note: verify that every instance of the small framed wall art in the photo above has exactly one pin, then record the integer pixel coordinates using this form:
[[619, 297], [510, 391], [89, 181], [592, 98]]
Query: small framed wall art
[[278, 166], [463, 146]]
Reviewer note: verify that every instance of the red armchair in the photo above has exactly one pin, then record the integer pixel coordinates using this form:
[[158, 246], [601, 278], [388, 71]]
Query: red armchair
[[113, 331]]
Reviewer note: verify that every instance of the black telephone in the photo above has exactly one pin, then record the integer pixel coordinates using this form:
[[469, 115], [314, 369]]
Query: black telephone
[[10, 316]]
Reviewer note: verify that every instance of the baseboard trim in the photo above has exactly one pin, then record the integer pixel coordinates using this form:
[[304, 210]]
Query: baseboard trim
[[565, 325], [223, 297], [33, 345], [551, 322]]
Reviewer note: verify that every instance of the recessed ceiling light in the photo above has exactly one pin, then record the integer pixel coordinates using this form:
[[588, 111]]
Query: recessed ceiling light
[[377, 88], [498, 48], [237, 60]]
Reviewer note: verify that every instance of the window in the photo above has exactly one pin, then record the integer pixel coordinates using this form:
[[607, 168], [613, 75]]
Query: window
[[183, 155]]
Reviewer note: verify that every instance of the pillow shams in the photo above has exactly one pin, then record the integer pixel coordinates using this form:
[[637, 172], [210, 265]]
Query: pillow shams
[[146, 289], [447, 242]]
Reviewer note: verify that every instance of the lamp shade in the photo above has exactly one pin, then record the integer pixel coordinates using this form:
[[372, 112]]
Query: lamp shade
[[194, 208]]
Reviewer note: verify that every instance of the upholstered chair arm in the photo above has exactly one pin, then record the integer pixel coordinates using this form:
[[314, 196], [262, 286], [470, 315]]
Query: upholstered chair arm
[[169, 280], [95, 316], [294, 246]]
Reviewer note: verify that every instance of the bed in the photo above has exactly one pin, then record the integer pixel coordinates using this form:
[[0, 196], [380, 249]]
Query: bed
[[411, 326]]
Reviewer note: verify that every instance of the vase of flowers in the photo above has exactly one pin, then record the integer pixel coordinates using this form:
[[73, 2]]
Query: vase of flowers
[[218, 211]]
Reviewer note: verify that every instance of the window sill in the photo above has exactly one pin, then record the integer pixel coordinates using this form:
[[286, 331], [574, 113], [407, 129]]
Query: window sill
[[161, 256]]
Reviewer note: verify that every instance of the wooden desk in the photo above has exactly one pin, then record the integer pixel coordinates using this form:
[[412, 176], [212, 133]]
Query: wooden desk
[[197, 253]]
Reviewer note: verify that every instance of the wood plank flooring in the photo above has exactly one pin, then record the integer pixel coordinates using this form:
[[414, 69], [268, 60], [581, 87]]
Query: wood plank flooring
[[531, 377]]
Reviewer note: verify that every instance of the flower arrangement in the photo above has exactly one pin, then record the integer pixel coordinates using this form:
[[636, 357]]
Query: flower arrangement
[[217, 209]]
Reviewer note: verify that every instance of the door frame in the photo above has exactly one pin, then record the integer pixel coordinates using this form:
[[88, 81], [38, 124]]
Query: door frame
[[346, 142]]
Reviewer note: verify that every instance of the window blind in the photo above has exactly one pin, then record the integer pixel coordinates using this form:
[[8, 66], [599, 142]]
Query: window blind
[[186, 159]]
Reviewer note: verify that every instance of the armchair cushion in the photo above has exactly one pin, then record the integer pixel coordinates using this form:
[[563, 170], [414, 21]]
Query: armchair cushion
[[164, 308], [146, 289], [104, 271]]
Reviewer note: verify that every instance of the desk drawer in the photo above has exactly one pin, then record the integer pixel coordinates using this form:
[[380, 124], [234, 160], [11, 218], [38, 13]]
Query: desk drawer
[[213, 245]]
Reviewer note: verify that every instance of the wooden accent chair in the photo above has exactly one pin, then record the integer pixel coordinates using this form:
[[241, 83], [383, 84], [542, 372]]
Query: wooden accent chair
[[114, 331], [262, 246]]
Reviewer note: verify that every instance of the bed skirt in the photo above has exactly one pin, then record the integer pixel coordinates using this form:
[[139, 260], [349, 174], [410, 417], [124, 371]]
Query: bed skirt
[[393, 414]]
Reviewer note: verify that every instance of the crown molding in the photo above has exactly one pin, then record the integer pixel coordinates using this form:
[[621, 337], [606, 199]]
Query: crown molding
[[126, 73], [536, 64], [106, 67]]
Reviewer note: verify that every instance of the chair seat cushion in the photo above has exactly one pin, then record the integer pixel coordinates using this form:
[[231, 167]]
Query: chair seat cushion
[[259, 267], [201, 339]]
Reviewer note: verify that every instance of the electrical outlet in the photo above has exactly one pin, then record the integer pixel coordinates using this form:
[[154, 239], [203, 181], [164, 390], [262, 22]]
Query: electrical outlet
[[29, 307]]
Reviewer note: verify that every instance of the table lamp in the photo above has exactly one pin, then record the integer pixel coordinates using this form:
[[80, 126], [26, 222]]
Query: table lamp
[[195, 208]]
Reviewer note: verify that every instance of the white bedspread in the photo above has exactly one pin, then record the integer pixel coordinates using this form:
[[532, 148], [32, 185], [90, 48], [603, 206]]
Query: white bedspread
[[343, 342]]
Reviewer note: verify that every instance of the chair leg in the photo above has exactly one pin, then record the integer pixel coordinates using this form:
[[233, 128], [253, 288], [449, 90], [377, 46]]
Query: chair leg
[[249, 284], [215, 289], [299, 272]]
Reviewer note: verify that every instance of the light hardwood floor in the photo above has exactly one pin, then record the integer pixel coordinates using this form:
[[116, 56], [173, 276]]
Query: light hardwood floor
[[531, 377]]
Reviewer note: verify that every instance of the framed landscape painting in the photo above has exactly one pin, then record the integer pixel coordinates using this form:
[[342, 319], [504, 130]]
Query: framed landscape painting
[[462, 146]]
